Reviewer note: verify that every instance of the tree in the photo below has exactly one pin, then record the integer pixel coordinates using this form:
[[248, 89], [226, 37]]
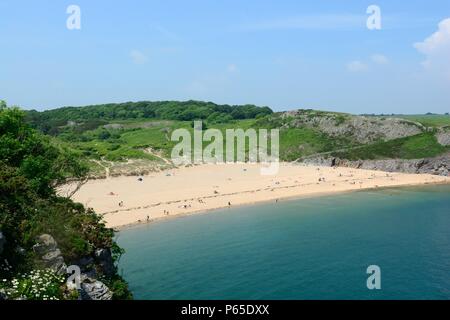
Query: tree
[[32, 166], [44, 164]]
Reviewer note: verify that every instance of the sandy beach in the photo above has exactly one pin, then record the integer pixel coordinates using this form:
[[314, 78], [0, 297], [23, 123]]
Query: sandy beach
[[124, 201]]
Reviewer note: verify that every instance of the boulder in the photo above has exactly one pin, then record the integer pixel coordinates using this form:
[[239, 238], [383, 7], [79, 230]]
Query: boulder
[[105, 260], [443, 137], [47, 248], [93, 289], [3, 295], [44, 244]]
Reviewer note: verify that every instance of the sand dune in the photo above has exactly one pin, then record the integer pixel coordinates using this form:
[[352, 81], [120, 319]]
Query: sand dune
[[126, 200]]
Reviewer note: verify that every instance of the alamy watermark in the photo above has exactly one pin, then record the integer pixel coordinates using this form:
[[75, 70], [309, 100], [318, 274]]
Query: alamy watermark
[[190, 148], [73, 22], [74, 280], [374, 280], [374, 20]]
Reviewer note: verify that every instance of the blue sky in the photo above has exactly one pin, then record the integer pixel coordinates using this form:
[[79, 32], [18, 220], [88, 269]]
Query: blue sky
[[283, 54]]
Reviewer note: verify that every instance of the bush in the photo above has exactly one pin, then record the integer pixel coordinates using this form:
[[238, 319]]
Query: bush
[[31, 168]]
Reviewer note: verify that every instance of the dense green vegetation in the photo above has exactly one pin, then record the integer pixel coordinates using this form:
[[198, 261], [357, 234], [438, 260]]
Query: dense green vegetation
[[32, 166], [114, 133], [300, 142], [414, 147], [91, 117], [131, 141]]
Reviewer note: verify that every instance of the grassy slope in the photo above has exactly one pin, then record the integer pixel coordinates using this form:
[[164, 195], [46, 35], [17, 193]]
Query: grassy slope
[[136, 135], [432, 120], [300, 142], [294, 143], [414, 147]]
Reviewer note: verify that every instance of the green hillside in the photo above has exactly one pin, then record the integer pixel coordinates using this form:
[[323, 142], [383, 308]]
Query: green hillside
[[32, 168], [135, 136]]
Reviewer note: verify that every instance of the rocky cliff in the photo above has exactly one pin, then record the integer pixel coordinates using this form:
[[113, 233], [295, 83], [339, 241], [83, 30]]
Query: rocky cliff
[[443, 136], [86, 284], [361, 129], [437, 165], [90, 288]]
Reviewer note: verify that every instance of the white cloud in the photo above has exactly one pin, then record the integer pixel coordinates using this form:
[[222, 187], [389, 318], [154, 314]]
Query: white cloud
[[356, 66], [436, 47], [138, 57], [379, 59]]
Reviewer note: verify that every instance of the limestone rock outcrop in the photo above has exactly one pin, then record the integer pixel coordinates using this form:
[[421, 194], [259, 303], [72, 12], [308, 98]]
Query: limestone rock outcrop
[[47, 248]]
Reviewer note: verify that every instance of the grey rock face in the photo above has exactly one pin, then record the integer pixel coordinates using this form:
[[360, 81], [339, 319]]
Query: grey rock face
[[104, 259], [92, 289], [360, 128], [47, 248], [443, 137], [2, 242], [319, 161], [438, 165], [44, 244], [3, 295], [388, 165]]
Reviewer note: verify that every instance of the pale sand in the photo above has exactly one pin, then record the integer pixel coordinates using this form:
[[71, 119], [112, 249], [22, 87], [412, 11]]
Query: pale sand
[[192, 189]]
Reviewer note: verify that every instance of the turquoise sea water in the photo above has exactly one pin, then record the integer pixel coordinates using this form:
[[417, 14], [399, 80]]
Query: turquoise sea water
[[316, 248]]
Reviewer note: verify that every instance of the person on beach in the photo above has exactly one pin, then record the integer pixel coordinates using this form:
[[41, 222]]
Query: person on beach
[[229, 203]]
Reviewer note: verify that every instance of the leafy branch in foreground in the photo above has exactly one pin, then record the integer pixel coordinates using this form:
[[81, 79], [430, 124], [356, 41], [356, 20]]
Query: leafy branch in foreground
[[31, 168]]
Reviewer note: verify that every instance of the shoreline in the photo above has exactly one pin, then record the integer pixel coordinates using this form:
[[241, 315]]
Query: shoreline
[[290, 198], [202, 189]]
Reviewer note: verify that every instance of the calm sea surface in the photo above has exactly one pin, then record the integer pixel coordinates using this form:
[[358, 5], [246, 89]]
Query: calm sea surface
[[315, 248]]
